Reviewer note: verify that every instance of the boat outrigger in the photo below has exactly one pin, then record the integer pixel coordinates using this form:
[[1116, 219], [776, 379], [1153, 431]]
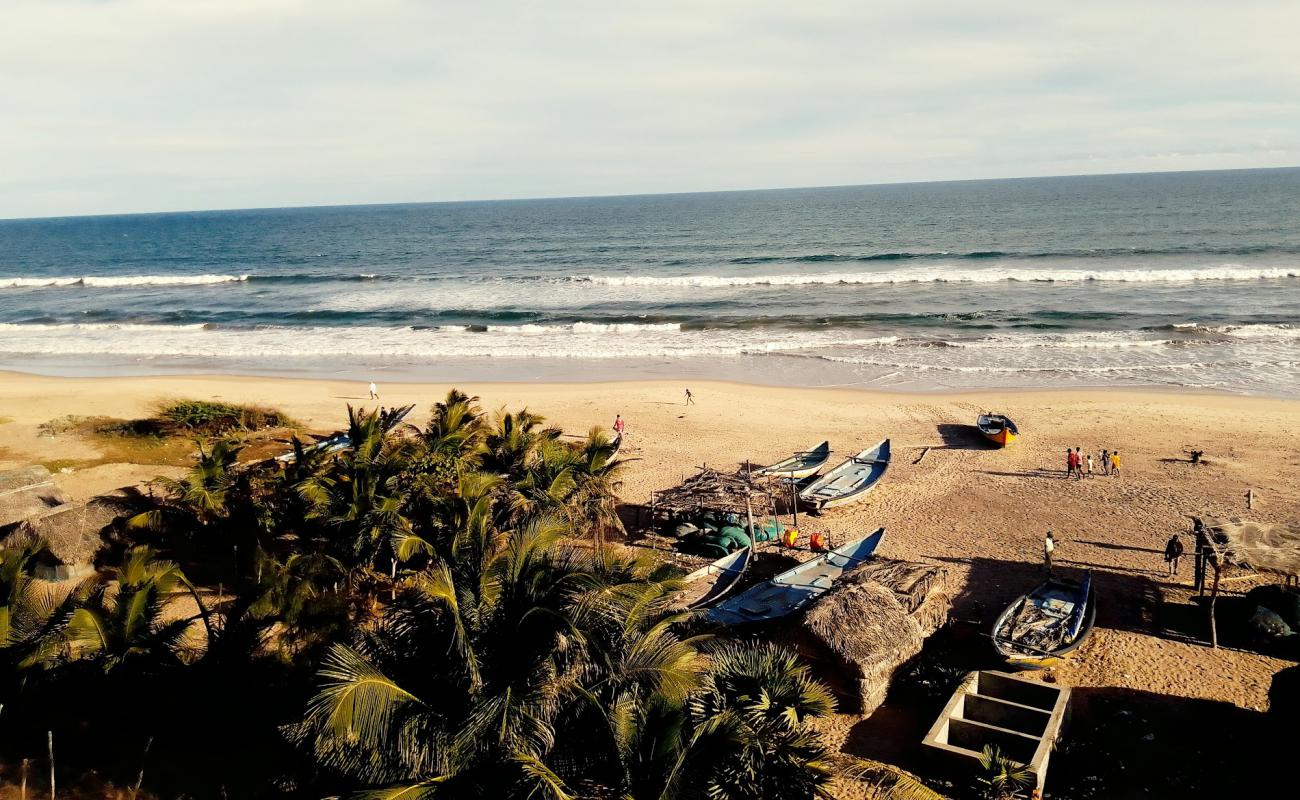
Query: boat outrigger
[[800, 465], [850, 481], [1041, 627], [795, 588], [998, 429]]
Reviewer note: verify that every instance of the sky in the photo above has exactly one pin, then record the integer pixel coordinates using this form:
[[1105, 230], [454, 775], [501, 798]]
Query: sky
[[114, 106]]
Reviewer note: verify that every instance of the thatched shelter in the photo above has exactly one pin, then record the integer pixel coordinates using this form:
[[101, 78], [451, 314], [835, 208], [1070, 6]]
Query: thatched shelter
[[1272, 548], [73, 535], [873, 621], [1259, 546], [26, 492], [712, 489]]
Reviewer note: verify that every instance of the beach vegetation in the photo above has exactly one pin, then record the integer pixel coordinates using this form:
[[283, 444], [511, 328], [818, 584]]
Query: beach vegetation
[[428, 612], [212, 417]]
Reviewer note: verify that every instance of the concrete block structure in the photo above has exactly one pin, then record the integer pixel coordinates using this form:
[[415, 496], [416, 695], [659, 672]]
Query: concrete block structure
[[1023, 718]]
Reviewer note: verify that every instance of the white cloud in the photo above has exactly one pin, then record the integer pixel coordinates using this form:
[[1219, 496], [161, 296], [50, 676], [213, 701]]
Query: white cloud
[[155, 104]]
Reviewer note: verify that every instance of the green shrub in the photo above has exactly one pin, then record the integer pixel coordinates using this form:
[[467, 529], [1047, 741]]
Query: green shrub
[[209, 416]]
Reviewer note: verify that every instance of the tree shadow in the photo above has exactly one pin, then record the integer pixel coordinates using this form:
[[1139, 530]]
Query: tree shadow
[[962, 437]]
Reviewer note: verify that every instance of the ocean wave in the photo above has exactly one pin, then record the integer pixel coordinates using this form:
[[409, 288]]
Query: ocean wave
[[982, 255], [1248, 331], [1220, 273], [115, 281]]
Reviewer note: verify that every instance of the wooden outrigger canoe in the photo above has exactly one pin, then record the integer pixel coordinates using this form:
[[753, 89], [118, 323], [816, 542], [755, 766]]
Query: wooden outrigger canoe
[[998, 429], [850, 481], [795, 588], [1042, 627], [726, 573], [800, 465]]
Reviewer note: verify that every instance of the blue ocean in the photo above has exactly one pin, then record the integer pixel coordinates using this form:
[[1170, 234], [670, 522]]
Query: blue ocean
[[1170, 279]]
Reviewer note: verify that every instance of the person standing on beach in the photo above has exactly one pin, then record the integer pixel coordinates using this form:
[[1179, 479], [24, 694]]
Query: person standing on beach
[[1089, 464], [374, 391], [690, 398], [1173, 552], [1105, 462], [1069, 463], [1114, 463], [1078, 464], [1049, 547], [619, 426]]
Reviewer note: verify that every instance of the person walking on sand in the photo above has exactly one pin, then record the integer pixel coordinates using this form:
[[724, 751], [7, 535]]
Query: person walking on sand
[[1105, 462], [1069, 463], [1049, 547], [1078, 464], [1114, 463], [619, 426], [690, 398], [1089, 464], [374, 391], [1173, 552]]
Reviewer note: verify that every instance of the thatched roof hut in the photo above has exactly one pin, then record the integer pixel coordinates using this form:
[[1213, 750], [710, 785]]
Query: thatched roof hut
[[873, 621], [73, 536], [26, 492], [1261, 546], [711, 489]]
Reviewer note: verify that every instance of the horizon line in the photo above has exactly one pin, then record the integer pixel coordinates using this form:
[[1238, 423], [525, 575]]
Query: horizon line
[[629, 195]]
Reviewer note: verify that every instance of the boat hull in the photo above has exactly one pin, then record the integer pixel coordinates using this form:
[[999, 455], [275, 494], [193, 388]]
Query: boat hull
[[801, 465], [1001, 438], [862, 473], [797, 587], [1020, 657]]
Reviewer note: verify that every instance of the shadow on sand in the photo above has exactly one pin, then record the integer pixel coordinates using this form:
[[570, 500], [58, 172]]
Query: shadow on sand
[[962, 437]]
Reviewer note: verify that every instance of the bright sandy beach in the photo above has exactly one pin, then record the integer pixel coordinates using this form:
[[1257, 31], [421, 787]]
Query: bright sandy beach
[[980, 513], [976, 511]]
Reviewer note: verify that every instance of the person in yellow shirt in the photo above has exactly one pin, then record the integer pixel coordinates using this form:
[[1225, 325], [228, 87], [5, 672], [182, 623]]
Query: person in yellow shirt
[[1114, 463]]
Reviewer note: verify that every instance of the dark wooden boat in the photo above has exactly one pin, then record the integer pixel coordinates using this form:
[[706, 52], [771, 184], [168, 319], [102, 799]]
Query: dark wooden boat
[[1042, 627]]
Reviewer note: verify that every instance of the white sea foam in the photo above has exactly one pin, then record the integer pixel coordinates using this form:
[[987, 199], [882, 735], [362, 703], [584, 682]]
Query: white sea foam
[[114, 281], [1226, 272]]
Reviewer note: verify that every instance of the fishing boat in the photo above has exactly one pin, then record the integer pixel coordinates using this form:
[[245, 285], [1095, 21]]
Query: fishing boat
[[1041, 627], [725, 573], [795, 588], [998, 429], [800, 465], [850, 481]]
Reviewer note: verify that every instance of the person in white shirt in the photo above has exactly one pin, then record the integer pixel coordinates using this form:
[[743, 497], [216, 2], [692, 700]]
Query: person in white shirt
[[374, 391], [1049, 546]]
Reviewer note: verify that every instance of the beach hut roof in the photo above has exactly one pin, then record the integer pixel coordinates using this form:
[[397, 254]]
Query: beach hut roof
[[1261, 546], [720, 491], [874, 620], [26, 492], [73, 534]]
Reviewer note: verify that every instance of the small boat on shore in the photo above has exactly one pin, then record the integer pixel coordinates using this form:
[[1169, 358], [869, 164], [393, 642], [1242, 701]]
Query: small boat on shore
[[1041, 627], [850, 481], [795, 588], [800, 465], [726, 574], [998, 429]]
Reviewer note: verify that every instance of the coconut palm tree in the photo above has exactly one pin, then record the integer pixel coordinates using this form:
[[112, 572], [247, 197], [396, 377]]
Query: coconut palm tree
[[32, 614], [594, 501], [198, 499], [457, 429], [358, 496], [130, 619]]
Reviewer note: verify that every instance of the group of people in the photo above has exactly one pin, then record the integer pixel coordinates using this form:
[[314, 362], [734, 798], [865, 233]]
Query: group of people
[[1076, 461]]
